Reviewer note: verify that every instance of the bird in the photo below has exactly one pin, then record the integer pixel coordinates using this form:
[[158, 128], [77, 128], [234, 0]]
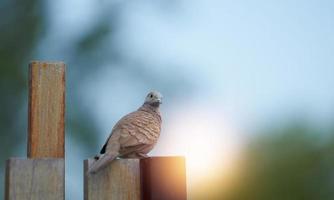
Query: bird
[[134, 135]]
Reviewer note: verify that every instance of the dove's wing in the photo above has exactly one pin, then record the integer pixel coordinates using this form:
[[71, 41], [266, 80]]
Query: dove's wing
[[135, 133], [137, 130], [111, 152]]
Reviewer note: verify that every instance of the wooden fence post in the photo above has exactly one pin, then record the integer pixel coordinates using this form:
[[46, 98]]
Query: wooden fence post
[[120, 180], [42, 175], [155, 178], [46, 113]]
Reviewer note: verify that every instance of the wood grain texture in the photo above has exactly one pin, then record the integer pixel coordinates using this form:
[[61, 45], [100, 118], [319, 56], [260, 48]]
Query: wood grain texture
[[118, 181], [46, 109], [163, 178], [37, 179]]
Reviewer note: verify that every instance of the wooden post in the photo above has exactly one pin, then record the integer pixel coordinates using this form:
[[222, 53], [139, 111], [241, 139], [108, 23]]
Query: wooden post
[[35, 179], [46, 109], [42, 175], [155, 178], [119, 181], [163, 178]]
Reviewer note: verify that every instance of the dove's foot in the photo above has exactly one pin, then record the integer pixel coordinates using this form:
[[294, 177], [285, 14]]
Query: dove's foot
[[135, 155], [142, 155]]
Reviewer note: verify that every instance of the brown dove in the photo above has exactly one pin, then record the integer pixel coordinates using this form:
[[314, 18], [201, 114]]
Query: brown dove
[[134, 135]]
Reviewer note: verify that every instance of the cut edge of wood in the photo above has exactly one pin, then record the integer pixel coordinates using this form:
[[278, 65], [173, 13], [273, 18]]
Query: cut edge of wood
[[37, 62], [7, 183], [85, 179]]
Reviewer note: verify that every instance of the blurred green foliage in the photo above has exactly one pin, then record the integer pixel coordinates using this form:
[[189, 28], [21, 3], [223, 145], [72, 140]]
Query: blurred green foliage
[[20, 26], [293, 162]]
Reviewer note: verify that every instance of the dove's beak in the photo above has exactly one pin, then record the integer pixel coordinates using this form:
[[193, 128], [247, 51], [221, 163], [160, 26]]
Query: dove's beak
[[159, 101]]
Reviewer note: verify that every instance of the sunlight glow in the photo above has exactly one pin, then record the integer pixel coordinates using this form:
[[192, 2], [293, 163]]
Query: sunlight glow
[[205, 138]]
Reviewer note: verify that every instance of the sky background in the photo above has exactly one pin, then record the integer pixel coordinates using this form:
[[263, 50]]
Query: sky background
[[242, 65], [225, 68], [257, 60]]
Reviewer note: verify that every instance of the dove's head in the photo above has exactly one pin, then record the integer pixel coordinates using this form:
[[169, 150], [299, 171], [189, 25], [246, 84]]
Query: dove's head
[[154, 98]]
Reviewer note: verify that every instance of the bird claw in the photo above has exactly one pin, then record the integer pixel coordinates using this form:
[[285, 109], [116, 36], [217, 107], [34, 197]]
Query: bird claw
[[141, 155]]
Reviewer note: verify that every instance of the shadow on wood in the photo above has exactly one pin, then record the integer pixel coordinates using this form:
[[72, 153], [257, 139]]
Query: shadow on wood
[[37, 179], [163, 178]]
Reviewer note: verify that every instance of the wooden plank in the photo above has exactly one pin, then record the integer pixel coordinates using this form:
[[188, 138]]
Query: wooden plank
[[37, 179], [163, 178], [46, 109], [119, 181]]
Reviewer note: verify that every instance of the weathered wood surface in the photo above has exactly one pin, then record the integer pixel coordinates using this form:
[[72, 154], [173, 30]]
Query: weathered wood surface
[[119, 181], [163, 178], [37, 179], [46, 109]]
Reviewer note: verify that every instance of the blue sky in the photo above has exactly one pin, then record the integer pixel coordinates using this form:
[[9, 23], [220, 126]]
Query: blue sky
[[265, 58]]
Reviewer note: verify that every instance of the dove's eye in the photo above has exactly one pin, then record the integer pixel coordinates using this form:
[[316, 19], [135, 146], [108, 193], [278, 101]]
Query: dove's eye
[[151, 95]]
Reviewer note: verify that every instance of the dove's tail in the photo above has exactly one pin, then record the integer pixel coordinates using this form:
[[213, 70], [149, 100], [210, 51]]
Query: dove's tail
[[102, 162]]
